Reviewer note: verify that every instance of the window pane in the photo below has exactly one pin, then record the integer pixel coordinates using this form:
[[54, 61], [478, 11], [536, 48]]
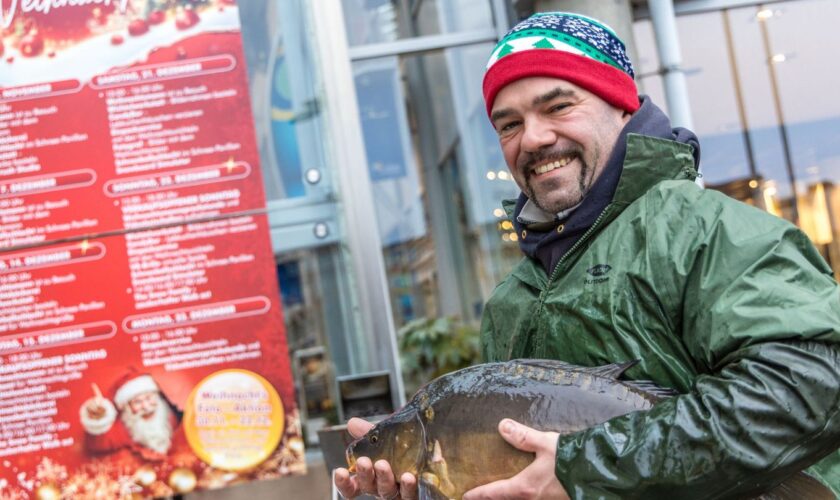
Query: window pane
[[807, 70], [378, 21]]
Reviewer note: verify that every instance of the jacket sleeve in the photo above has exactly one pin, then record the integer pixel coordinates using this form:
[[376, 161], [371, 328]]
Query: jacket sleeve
[[760, 314]]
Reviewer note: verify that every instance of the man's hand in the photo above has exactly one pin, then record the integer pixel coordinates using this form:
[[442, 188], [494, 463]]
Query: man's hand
[[372, 479], [537, 481]]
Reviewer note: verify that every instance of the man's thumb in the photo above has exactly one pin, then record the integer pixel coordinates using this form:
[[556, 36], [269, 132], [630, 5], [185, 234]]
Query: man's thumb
[[520, 436]]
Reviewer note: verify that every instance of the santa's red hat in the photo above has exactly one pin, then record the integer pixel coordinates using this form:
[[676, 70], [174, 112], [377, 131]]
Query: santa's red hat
[[132, 384]]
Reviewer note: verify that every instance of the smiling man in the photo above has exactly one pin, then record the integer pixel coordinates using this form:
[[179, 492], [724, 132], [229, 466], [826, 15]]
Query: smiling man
[[626, 258]]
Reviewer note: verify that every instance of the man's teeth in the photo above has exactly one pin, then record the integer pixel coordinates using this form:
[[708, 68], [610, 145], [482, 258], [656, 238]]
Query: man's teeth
[[548, 167]]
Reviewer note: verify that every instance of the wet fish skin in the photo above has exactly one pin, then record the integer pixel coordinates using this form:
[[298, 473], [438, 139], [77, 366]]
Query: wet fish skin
[[459, 414]]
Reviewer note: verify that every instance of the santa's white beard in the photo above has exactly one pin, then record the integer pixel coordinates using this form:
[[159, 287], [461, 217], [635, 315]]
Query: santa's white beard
[[155, 432]]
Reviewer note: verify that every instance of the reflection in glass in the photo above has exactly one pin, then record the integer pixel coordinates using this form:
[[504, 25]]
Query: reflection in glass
[[777, 145], [380, 21]]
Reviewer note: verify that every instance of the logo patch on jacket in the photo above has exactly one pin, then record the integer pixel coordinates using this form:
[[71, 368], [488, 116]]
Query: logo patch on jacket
[[599, 270], [598, 273]]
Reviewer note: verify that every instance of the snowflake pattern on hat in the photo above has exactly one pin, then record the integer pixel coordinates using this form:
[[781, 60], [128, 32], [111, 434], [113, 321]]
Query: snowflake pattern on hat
[[568, 32]]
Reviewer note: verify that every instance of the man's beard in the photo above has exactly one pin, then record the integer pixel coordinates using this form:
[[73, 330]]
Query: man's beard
[[154, 433], [584, 178]]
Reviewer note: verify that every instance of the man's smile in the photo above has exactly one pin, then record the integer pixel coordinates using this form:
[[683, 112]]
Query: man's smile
[[552, 165]]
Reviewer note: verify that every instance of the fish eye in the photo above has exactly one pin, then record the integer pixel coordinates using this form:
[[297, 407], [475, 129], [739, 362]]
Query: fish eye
[[374, 439]]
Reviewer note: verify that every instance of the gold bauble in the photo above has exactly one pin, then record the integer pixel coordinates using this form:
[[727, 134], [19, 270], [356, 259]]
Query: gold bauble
[[145, 476], [182, 480], [47, 492], [296, 445]]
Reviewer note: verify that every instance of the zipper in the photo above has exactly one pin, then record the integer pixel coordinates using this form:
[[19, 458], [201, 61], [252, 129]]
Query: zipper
[[577, 245], [540, 347], [540, 341]]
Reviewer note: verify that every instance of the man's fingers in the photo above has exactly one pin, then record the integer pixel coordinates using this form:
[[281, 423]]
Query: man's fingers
[[345, 483], [365, 476], [521, 436], [408, 486], [358, 427], [505, 488], [386, 485]]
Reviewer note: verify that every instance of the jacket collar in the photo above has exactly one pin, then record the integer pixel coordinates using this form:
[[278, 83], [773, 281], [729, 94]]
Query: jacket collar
[[648, 161]]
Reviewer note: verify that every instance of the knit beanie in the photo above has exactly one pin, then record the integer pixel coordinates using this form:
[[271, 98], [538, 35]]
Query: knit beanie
[[572, 47]]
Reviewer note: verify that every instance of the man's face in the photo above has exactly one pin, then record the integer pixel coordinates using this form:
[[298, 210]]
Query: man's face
[[556, 138], [144, 405]]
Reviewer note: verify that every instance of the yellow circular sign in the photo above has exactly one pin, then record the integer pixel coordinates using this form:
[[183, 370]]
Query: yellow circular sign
[[234, 419]]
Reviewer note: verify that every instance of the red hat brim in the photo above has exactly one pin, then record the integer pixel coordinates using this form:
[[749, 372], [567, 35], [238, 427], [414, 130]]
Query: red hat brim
[[607, 82]]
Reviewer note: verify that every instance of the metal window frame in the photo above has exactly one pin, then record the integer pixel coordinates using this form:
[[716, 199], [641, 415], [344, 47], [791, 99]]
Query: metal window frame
[[641, 11]]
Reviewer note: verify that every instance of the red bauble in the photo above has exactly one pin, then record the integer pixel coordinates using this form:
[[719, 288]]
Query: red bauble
[[138, 27], [32, 44], [116, 39], [156, 17], [186, 18]]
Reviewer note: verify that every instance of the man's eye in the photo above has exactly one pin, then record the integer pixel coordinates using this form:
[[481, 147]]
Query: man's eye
[[507, 127], [559, 107]]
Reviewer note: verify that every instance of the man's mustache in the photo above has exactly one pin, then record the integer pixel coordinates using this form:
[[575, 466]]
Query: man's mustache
[[528, 160]]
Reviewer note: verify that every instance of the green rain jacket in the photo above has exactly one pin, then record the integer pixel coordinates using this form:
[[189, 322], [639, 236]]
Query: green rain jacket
[[731, 306]]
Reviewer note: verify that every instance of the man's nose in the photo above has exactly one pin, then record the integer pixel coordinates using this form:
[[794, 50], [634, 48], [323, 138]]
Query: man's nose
[[537, 134]]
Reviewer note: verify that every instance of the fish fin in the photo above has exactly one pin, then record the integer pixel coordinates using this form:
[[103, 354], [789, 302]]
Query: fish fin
[[612, 371], [427, 490], [651, 388], [437, 464], [797, 487]]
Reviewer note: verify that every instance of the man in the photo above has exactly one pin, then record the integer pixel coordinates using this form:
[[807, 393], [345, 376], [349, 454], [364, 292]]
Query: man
[[628, 259], [138, 426]]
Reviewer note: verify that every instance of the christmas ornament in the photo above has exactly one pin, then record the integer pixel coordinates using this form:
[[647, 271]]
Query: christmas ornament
[[156, 17], [296, 444], [99, 16], [47, 492], [145, 476], [116, 39], [186, 18], [32, 44], [138, 27], [182, 480]]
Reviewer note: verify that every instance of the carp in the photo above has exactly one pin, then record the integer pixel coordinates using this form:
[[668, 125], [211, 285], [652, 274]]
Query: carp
[[447, 435]]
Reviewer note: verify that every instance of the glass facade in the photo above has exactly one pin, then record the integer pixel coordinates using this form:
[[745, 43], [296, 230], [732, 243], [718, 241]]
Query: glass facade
[[760, 82], [434, 164]]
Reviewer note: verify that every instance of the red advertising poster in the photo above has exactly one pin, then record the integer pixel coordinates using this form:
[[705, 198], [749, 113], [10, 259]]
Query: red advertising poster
[[142, 348]]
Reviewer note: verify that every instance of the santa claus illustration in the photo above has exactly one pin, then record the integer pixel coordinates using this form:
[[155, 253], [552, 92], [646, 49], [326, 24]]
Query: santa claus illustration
[[137, 417]]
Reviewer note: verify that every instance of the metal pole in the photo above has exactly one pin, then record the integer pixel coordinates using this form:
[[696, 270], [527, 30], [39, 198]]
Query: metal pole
[[777, 103], [668, 46], [739, 96]]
